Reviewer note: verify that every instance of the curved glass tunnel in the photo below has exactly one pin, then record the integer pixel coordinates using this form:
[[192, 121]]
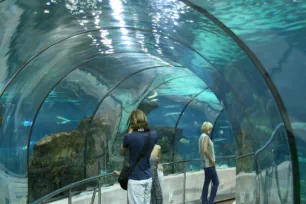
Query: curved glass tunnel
[[72, 71]]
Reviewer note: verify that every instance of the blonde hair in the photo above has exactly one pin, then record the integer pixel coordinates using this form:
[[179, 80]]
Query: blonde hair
[[206, 126], [138, 120]]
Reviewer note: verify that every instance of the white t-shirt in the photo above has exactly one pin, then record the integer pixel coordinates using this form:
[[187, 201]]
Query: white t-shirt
[[210, 148]]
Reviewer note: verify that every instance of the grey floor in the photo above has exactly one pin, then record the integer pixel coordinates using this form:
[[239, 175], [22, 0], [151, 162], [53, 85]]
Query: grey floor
[[223, 202]]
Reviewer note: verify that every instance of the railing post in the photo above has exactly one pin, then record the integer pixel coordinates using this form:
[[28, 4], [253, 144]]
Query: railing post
[[99, 192], [184, 185], [70, 197], [93, 196]]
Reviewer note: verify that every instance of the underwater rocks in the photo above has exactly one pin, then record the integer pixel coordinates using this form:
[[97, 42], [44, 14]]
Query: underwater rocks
[[148, 106], [58, 159], [167, 141]]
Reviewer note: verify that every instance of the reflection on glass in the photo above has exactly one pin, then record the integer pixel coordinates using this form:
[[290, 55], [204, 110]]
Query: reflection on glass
[[275, 169], [225, 142]]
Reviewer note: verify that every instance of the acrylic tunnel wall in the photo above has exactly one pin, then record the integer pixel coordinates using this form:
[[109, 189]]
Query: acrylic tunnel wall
[[72, 71]]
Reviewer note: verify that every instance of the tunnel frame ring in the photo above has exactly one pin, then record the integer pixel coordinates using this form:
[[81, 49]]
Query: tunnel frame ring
[[276, 95]]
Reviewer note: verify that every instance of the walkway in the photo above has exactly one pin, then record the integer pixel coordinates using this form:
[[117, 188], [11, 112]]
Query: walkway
[[224, 202]]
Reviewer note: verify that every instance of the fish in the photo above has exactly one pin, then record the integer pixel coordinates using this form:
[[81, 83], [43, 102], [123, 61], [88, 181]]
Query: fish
[[196, 124], [164, 139], [63, 120], [153, 95], [264, 128], [27, 123], [169, 106], [191, 167], [184, 141], [175, 113]]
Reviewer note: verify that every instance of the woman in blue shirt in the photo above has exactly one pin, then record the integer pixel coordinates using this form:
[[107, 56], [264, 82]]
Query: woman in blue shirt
[[140, 179]]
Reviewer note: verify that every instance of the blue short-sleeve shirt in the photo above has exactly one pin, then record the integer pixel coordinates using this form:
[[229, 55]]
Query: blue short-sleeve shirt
[[134, 143]]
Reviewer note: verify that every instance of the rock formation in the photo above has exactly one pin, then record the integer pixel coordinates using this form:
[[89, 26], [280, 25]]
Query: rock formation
[[58, 159]]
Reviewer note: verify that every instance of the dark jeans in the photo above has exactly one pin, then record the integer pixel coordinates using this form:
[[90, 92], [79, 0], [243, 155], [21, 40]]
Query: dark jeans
[[210, 175]]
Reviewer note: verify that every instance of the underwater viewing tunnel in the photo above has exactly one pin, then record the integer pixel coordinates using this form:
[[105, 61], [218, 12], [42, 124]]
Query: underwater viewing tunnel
[[72, 71]]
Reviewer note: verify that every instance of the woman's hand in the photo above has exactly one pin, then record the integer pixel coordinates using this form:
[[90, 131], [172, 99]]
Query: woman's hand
[[130, 130], [212, 163], [160, 167], [117, 173]]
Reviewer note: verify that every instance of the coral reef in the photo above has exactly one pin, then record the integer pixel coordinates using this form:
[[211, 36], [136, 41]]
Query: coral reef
[[58, 159], [148, 106]]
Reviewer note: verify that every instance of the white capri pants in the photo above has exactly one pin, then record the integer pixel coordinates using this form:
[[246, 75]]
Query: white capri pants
[[139, 192]]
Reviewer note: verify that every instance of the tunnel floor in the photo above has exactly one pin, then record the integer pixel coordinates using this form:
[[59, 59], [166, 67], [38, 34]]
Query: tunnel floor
[[219, 202]]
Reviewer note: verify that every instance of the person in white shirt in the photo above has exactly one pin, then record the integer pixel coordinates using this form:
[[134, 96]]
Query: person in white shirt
[[207, 155]]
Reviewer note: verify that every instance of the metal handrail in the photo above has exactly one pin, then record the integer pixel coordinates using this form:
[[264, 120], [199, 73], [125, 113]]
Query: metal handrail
[[265, 146], [93, 197], [192, 160], [270, 140], [45, 198], [245, 155]]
